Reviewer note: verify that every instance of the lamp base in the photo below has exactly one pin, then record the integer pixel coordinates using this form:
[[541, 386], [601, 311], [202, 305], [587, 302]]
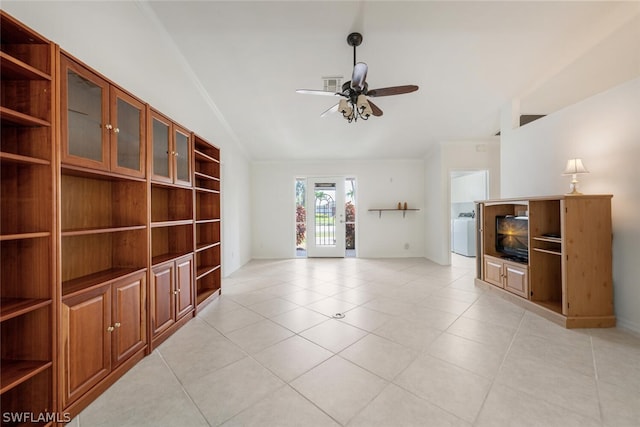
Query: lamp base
[[574, 187]]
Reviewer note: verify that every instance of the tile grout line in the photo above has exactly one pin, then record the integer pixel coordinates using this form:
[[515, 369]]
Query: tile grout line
[[493, 381], [184, 390], [596, 378]]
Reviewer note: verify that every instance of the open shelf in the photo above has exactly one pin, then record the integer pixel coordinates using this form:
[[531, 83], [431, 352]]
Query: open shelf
[[205, 246], [24, 160], [555, 306], [31, 391], [92, 258], [548, 251], [171, 204], [16, 118], [15, 372], [14, 69], [26, 194], [13, 307], [98, 204], [404, 211], [208, 284], [207, 205], [26, 345], [13, 146], [171, 242], [83, 283], [25, 45], [26, 269]]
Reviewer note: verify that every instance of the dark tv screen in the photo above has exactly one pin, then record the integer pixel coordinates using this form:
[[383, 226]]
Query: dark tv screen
[[512, 236]]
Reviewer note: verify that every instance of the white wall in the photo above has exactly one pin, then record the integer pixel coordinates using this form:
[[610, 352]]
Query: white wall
[[604, 131], [122, 41], [380, 184], [440, 161]]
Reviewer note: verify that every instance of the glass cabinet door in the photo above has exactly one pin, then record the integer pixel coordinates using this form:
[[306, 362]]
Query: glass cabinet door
[[85, 104], [128, 134], [182, 159], [161, 148]]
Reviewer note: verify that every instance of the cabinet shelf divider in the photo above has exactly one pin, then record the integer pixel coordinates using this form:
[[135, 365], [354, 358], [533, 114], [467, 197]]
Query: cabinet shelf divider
[[13, 307], [15, 372], [17, 118], [86, 231], [17, 158], [81, 284]]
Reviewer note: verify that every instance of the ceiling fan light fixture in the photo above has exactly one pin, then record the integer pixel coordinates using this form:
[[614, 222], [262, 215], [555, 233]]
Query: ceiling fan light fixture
[[364, 109], [345, 109], [355, 104]]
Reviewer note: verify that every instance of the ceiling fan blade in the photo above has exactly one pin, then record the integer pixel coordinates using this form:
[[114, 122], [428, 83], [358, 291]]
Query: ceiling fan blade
[[376, 110], [317, 92], [359, 76], [395, 90], [333, 109]]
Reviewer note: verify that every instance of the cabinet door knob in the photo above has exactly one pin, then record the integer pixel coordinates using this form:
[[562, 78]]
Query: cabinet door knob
[[108, 126], [117, 130], [110, 328], [117, 324], [175, 292]]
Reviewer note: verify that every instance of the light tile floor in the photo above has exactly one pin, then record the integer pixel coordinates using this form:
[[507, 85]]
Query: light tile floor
[[419, 345]]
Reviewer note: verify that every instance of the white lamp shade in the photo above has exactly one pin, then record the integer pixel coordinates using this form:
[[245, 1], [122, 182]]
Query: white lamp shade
[[575, 166]]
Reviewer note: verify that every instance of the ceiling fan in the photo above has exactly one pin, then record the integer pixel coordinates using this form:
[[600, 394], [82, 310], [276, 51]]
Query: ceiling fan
[[355, 103]]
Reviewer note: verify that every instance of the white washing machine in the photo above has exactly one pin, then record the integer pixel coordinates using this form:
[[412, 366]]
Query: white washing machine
[[464, 236]]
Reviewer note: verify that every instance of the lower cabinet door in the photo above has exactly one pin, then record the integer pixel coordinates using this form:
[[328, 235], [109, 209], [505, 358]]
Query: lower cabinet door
[[129, 315], [86, 341], [162, 298], [516, 280], [185, 295], [493, 271]]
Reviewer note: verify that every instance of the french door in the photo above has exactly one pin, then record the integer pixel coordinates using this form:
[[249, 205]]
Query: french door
[[325, 217]]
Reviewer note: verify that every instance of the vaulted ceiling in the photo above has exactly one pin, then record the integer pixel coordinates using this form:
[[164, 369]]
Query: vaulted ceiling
[[469, 58]]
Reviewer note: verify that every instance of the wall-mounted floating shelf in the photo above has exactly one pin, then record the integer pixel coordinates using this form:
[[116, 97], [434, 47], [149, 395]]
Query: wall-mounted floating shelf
[[404, 211]]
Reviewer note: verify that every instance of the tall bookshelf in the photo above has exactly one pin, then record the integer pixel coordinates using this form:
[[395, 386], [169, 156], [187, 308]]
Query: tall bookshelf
[[206, 179], [28, 294]]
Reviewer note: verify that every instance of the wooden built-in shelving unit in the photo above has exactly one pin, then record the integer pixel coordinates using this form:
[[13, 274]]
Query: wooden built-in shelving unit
[[206, 173], [28, 292], [110, 227]]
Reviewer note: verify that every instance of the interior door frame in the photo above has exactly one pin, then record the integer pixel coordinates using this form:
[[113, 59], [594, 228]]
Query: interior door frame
[[338, 250]]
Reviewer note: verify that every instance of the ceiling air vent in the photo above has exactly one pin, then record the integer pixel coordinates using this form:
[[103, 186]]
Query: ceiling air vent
[[332, 84]]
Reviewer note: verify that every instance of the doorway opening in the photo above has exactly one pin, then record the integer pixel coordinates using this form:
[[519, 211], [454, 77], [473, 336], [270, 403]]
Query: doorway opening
[[325, 217], [466, 187]]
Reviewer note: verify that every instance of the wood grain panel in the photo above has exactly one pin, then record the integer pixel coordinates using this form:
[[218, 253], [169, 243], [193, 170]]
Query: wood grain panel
[[129, 317], [86, 342], [588, 244]]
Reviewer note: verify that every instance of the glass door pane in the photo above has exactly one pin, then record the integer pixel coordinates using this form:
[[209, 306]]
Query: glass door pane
[[161, 152], [84, 117], [128, 134], [183, 172], [325, 217], [325, 214]]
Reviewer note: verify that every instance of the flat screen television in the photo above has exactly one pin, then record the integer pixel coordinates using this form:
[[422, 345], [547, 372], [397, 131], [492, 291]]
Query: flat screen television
[[512, 236]]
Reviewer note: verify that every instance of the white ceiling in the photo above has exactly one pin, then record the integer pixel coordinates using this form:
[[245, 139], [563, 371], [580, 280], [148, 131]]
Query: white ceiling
[[469, 58]]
